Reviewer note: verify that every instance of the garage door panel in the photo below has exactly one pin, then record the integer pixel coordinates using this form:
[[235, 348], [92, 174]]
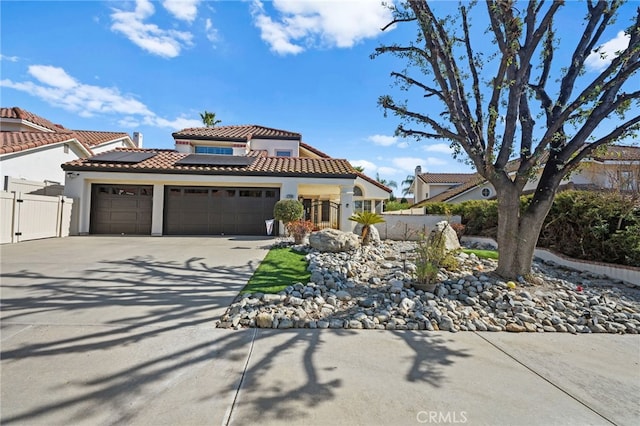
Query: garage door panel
[[118, 209], [214, 211]]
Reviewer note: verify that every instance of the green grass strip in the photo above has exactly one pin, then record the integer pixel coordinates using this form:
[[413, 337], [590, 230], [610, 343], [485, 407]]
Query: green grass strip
[[482, 254], [280, 268]]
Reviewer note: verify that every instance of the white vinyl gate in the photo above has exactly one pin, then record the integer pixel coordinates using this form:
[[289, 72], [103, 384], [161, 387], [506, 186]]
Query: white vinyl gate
[[28, 217]]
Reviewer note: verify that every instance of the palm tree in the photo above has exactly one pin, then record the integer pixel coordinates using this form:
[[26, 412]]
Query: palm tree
[[387, 183], [406, 185], [359, 169], [366, 219], [209, 118]]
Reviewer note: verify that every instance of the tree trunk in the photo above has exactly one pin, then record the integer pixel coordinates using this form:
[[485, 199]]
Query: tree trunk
[[518, 232]]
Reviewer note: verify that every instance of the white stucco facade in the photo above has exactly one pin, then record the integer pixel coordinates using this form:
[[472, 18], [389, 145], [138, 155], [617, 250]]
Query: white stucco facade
[[78, 187], [42, 163]]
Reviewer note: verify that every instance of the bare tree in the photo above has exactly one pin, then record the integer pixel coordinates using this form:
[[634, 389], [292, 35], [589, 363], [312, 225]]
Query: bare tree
[[492, 87]]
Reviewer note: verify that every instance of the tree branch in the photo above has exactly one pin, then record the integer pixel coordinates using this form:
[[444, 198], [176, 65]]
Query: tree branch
[[431, 91]]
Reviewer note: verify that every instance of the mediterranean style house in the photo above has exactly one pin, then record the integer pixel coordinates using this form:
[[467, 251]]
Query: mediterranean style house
[[33, 148], [217, 180], [615, 168]]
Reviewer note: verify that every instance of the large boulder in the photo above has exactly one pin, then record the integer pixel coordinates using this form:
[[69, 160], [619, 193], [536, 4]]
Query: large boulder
[[333, 240], [374, 235], [451, 241]]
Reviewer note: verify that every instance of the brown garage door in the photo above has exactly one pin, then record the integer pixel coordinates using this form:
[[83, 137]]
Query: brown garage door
[[121, 209], [198, 210]]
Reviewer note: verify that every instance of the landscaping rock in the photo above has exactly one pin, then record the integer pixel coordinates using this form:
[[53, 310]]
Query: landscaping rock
[[451, 241], [333, 240], [371, 288]]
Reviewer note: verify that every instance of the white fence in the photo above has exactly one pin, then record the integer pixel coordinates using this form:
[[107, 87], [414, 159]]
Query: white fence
[[29, 217], [410, 226]]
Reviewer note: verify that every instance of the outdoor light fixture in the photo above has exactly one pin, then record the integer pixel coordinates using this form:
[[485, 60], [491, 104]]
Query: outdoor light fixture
[[403, 257]]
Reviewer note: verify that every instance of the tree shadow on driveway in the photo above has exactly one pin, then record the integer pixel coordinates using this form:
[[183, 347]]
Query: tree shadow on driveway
[[123, 340]]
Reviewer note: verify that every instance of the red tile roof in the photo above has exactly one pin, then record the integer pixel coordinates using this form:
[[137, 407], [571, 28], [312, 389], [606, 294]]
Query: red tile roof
[[21, 141], [446, 177], [165, 162], [618, 153], [20, 114], [93, 137], [235, 133], [314, 150], [374, 182], [474, 180]]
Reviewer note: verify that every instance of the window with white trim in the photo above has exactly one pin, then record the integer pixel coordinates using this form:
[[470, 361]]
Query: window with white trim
[[283, 153], [219, 150]]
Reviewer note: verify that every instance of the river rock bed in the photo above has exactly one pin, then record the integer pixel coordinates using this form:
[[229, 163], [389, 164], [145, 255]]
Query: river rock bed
[[370, 288]]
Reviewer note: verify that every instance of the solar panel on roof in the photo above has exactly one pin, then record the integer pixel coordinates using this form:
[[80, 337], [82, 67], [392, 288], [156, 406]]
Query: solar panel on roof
[[122, 157], [215, 160]]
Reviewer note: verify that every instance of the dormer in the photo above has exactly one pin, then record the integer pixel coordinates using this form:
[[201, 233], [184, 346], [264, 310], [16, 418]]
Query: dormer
[[238, 140]]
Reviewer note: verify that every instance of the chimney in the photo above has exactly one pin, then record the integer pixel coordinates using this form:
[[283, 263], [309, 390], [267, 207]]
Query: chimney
[[418, 169], [137, 139]]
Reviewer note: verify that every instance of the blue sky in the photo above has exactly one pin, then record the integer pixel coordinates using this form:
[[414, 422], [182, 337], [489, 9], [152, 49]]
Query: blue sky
[[154, 66]]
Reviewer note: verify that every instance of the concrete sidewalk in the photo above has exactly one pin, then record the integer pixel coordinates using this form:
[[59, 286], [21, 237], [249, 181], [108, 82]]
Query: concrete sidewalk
[[120, 331], [62, 375]]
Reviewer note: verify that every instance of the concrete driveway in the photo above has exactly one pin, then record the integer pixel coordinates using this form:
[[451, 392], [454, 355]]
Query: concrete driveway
[[111, 331]]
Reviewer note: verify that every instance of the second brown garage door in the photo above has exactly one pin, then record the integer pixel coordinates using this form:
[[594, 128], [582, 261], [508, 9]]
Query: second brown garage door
[[198, 210]]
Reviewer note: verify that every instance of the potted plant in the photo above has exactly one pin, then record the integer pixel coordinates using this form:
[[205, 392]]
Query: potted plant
[[288, 211], [431, 255], [299, 229]]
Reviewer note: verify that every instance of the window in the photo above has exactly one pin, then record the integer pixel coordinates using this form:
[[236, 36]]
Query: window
[[214, 150], [283, 153], [357, 191], [357, 206], [270, 194], [251, 193], [486, 192]]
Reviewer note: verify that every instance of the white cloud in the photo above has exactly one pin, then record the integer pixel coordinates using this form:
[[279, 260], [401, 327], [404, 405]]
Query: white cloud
[[383, 140], [212, 33], [403, 145], [325, 23], [56, 87], [368, 166], [176, 123], [53, 76], [164, 43], [601, 57], [387, 171], [407, 164], [433, 161], [438, 147], [9, 58], [185, 10]]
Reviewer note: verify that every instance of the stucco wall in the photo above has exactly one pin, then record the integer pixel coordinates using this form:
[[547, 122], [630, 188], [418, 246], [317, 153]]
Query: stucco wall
[[120, 143], [78, 187], [272, 145], [409, 227], [39, 164]]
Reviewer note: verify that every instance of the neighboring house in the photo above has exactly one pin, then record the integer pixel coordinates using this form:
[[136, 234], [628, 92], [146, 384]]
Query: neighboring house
[[218, 180], [616, 168], [33, 148]]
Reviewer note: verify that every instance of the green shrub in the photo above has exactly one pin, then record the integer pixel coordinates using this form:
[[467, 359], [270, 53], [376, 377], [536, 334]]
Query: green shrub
[[594, 226], [288, 210], [391, 206], [480, 217], [444, 209]]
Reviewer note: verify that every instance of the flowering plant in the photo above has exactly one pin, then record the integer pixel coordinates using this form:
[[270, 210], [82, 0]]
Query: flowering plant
[[299, 229]]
